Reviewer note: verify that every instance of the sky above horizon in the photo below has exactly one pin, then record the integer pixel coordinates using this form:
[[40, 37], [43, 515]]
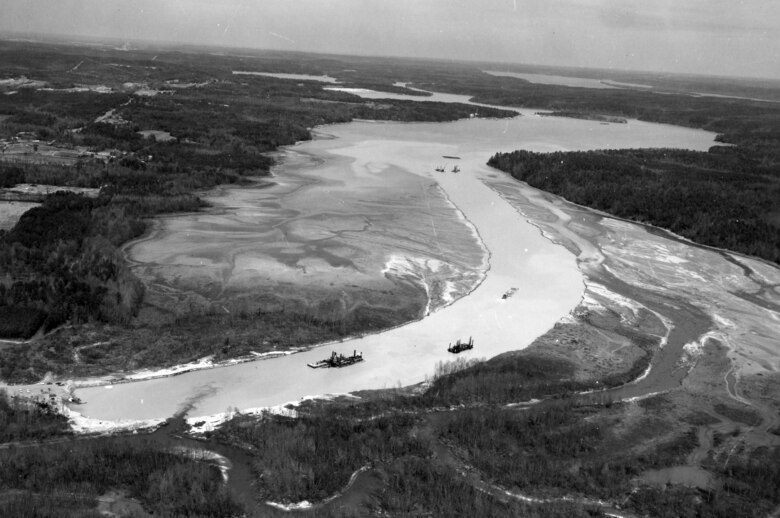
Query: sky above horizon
[[715, 37]]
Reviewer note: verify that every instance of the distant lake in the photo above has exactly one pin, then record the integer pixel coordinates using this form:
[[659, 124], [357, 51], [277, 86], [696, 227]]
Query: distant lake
[[545, 79], [584, 82], [299, 77], [364, 204]]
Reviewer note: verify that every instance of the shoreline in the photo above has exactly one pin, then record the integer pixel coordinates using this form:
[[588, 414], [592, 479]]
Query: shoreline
[[368, 159], [631, 391], [403, 328], [85, 425]]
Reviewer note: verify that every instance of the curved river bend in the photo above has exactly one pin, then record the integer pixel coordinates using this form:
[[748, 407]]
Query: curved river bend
[[546, 276]]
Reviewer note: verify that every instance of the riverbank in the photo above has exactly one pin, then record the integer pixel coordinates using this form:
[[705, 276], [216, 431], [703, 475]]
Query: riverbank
[[370, 154]]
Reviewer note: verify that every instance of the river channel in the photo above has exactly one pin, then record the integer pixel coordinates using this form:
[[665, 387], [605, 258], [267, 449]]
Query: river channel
[[369, 165]]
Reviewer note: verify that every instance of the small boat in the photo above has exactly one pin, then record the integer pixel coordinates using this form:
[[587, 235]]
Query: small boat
[[337, 360], [509, 293], [456, 169], [440, 169], [461, 346]]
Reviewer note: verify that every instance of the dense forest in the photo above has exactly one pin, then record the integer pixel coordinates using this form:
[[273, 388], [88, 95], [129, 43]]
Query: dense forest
[[22, 420], [65, 267], [64, 481], [459, 446], [570, 455], [725, 198], [410, 457], [61, 262]]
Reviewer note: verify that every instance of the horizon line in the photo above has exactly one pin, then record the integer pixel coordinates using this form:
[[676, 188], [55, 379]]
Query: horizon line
[[73, 40]]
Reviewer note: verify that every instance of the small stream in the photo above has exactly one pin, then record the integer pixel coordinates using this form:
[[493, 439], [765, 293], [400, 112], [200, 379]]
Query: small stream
[[546, 275]]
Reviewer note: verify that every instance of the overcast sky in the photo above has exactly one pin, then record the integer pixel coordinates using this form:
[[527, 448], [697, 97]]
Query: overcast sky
[[717, 37]]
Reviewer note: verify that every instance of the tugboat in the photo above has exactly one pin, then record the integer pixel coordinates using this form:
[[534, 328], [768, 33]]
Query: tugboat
[[456, 169], [461, 346], [337, 360], [440, 169]]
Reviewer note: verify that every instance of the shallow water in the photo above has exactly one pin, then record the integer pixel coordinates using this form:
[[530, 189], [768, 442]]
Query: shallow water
[[365, 93], [356, 158], [323, 233], [547, 79], [300, 77]]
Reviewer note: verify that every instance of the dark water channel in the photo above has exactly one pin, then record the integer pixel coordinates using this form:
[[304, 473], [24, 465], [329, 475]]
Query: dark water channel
[[666, 370], [239, 474]]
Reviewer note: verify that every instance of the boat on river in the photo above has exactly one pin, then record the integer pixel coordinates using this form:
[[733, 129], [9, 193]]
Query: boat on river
[[440, 169], [461, 346], [456, 169], [337, 360]]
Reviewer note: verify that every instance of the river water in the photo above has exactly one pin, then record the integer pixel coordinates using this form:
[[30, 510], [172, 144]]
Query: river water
[[371, 155]]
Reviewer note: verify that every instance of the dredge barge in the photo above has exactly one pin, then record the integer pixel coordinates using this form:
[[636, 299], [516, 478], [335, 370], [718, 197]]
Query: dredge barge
[[337, 360], [461, 346]]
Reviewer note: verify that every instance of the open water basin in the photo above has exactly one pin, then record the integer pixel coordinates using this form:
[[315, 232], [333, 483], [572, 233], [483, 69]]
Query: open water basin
[[368, 164]]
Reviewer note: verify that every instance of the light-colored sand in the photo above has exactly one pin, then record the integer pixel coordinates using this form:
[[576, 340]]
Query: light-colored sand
[[300, 77], [320, 232], [11, 211], [548, 79], [28, 188], [547, 276]]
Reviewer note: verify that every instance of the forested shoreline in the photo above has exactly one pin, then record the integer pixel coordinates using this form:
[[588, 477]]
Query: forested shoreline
[[61, 263], [723, 198], [528, 433]]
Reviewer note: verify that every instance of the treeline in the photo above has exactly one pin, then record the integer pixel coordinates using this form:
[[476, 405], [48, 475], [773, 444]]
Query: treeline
[[97, 349], [417, 487], [722, 198], [36, 481], [517, 377], [507, 379], [22, 420], [61, 260], [53, 115], [313, 457], [739, 121], [557, 447], [563, 452], [566, 450], [750, 487], [61, 263]]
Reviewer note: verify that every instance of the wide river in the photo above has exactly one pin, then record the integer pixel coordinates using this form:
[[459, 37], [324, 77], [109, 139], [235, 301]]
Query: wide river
[[548, 281]]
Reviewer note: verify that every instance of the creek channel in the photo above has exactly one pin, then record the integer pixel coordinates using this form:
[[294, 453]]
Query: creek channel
[[370, 155], [371, 164]]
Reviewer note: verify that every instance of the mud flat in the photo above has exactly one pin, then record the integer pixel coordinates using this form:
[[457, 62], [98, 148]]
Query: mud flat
[[317, 238], [299, 77], [354, 158], [547, 79], [710, 301]]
